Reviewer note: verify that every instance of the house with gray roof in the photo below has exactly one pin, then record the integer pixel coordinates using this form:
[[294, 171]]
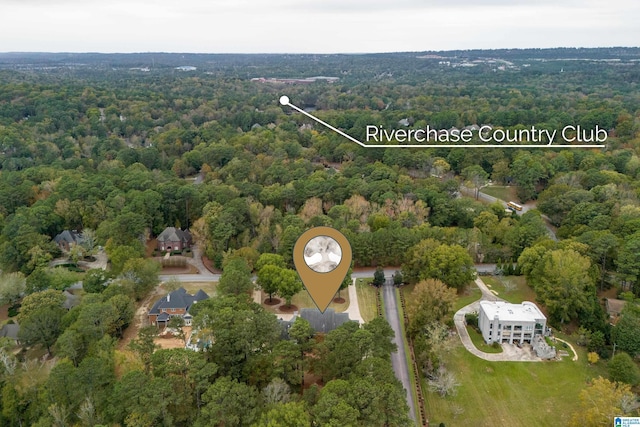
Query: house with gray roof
[[176, 303], [320, 322], [174, 239], [67, 239], [11, 330]]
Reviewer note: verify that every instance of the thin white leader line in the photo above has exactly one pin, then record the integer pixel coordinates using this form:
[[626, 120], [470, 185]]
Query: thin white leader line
[[284, 100]]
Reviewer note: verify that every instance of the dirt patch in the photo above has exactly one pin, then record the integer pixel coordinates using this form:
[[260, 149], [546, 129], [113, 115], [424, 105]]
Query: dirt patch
[[272, 301], [167, 340], [339, 300], [287, 308], [152, 245], [4, 312], [311, 379]]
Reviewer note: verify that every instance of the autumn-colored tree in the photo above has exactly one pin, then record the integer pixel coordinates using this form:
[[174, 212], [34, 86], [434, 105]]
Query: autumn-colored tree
[[430, 301], [601, 401]]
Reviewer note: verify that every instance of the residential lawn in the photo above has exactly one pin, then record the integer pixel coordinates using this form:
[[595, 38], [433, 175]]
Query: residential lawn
[[193, 287], [502, 192], [303, 300], [469, 295], [526, 394], [521, 292], [478, 341], [366, 299]]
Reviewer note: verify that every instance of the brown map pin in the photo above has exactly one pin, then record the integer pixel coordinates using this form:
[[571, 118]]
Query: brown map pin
[[322, 256]]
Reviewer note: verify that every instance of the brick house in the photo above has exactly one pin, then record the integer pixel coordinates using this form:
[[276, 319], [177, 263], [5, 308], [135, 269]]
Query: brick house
[[67, 239], [176, 303], [174, 239]]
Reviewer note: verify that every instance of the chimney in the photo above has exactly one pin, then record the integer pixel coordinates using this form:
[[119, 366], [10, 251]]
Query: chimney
[[168, 297]]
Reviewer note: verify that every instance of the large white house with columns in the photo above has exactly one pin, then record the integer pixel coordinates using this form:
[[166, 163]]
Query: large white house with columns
[[504, 322]]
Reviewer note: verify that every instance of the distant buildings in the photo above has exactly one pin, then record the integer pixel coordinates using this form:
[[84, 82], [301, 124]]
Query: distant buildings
[[306, 80], [186, 68]]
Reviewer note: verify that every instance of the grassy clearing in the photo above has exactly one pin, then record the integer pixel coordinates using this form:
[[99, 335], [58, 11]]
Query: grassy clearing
[[469, 295], [478, 341], [193, 287], [366, 299], [502, 192], [511, 393], [521, 292]]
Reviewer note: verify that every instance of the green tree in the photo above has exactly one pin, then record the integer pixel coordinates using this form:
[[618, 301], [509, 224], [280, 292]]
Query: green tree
[[229, 403], [623, 369], [94, 280], [289, 285], [625, 333], [270, 259], [42, 326], [451, 264], [269, 278], [565, 284], [291, 414], [142, 274], [628, 261], [144, 345], [430, 301], [49, 298], [235, 278], [602, 244], [238, 331], [119, 255], [378, 277], [12, 287]]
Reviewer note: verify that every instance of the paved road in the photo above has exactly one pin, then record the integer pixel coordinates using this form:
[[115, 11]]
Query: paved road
[[399, 357]]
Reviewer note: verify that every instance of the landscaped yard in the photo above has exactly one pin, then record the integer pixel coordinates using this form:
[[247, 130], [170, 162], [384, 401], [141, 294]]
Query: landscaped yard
[[478, 341], [521, 291], [510, 393], [303, 300]]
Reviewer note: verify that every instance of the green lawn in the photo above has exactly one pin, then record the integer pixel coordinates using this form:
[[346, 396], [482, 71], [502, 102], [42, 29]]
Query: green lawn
[[521, 292], [193, 287], [478, 341], [366, 299], [515, 394], [303, 300], [469, 295], [501, 192]]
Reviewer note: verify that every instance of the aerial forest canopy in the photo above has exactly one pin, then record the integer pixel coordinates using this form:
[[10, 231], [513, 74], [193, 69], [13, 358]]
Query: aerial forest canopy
[[123, 146]]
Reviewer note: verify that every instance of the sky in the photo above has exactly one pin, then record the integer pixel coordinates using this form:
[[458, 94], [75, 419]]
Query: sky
[[306, 26]]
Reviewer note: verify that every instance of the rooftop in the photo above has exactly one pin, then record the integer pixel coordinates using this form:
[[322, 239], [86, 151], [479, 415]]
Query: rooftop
[[506, 311]]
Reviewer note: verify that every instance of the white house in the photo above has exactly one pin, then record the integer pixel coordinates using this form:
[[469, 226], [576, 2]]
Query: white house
[[504, 322]]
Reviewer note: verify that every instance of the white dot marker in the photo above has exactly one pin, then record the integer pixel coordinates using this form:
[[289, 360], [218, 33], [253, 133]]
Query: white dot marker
[[284, 100]]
